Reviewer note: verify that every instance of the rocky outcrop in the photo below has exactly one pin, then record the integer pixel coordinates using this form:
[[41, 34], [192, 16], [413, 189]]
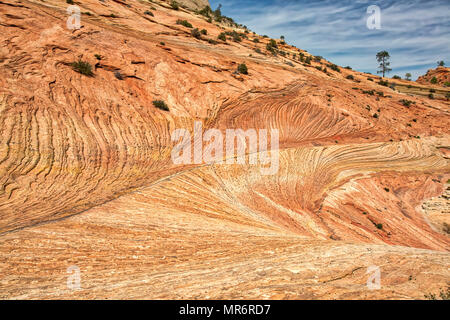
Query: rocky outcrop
[[441, 74], [191, 4]]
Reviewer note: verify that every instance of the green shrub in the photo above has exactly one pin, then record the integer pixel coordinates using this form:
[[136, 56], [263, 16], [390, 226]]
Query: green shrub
[[212, 41], [206, 11], [308, 60], [383, 83], [242, 68], [175, 5], [397, 77], [148, 12], [350, 77], [431, 96], [406, 103], [375, 116], [370, 79], [184, 23], [196, 33], [434, 80], [447, 96], [204, 32], [98, 57], [334, 67], [273, 43], [236, 37], [379, 226], [222, 37], [318, 58], [256, 40], [160, 104], [82, 67], [447, 84], [348, 67]]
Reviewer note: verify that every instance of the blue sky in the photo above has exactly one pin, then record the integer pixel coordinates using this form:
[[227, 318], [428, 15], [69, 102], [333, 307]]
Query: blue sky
[[416, 33]]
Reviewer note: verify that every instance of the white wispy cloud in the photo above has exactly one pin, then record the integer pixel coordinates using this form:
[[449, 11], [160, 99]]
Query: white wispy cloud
[[416, 33]]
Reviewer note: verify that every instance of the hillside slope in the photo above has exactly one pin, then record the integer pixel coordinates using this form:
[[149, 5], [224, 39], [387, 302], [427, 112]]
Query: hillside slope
[[86, 176]]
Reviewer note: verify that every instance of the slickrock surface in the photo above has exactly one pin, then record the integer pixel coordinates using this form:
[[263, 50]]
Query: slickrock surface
[[87, 180]]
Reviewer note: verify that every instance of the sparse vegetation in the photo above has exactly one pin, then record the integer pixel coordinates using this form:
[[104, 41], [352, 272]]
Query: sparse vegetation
[[206, 11], [204, 32], [196, 33], [174, 5], [379, 226], [441, 63], [236, 37], [272, 46], [222, 37], [98, 57], [69, 2], [431, 96], [184, 23], [334, 67], [350, 77], [83, 67], [242, 68], [406, 103], [408, 76], [434, 80], [383, 83], [443, 295], [148, 12], [369, 92], [160, 104], [397, 77]]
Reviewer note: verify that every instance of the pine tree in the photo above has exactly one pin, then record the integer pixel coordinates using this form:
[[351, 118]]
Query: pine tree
[[383, 58]]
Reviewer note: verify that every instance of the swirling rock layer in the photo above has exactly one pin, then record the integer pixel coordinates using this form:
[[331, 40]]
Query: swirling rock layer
[[87, 180]]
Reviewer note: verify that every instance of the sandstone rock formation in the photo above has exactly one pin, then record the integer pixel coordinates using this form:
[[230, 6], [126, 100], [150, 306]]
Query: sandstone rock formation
[[442, 75], [87, 179]]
